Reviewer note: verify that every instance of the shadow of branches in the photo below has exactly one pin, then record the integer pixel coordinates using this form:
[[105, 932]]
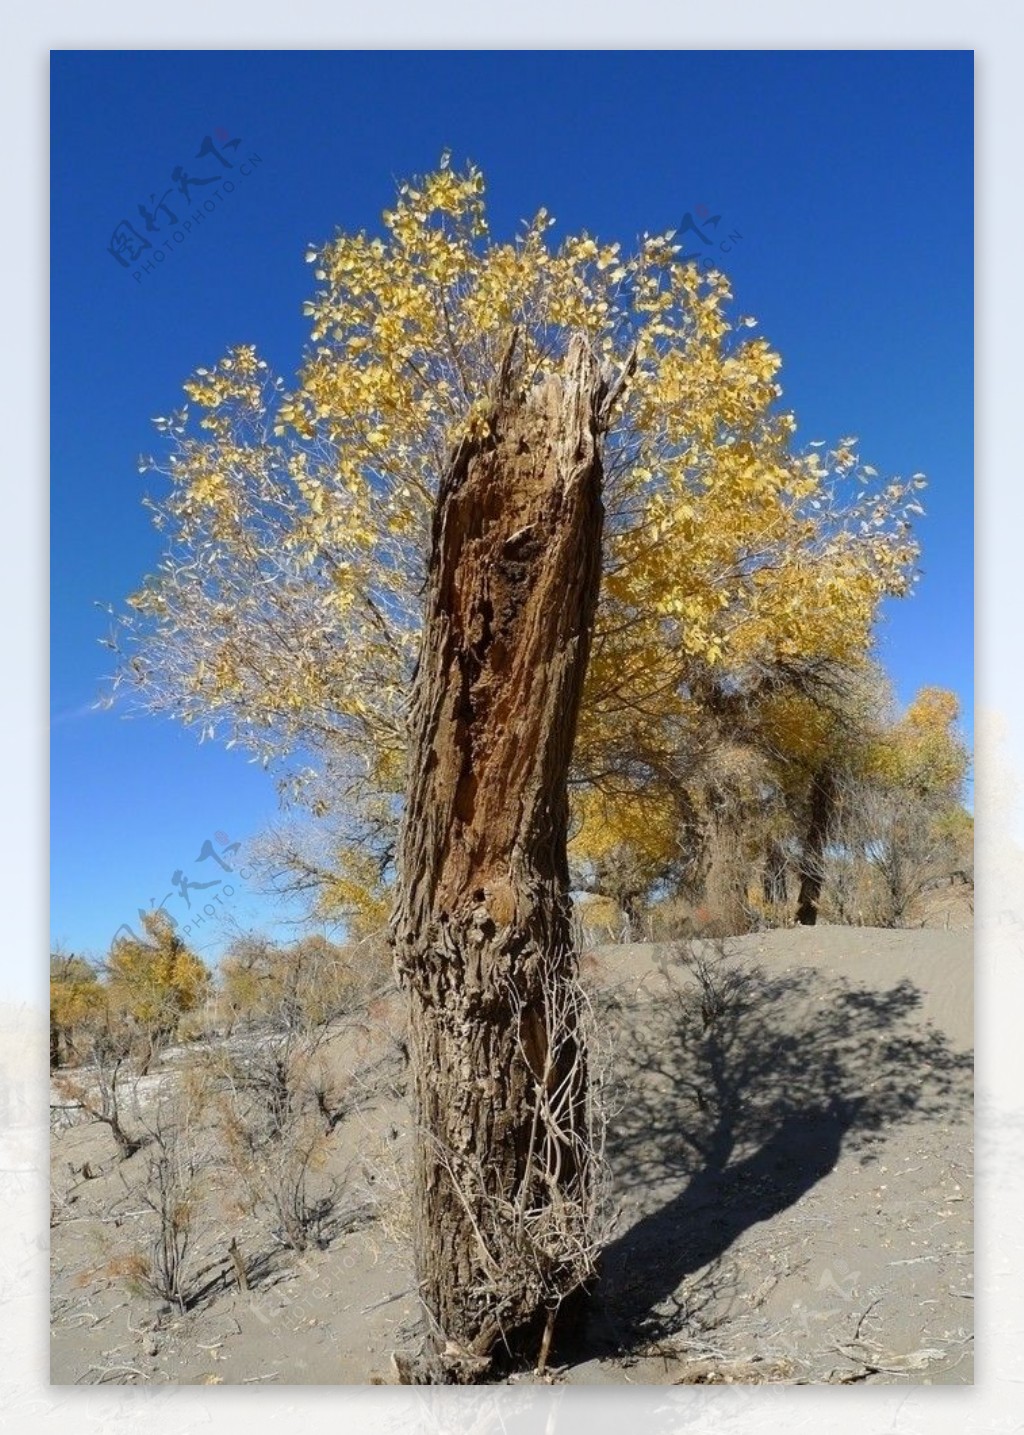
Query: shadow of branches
[[735, 1091]]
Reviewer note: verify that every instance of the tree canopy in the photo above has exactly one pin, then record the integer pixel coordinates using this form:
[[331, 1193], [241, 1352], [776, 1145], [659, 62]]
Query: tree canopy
[[155, 981], [286, 613]]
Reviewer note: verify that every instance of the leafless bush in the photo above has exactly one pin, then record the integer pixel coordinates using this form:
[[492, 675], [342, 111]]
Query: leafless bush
[[171, 1191], [104, 1089], [906, 854], [708, 984], [278, 1176], [672, 919], [278, 1108], [889, 846], [169, 1185]]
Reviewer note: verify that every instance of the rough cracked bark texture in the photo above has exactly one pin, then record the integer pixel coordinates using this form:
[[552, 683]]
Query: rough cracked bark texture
[[482, 927]]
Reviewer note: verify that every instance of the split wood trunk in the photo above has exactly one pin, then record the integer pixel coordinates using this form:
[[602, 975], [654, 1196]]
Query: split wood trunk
[[482, 927]]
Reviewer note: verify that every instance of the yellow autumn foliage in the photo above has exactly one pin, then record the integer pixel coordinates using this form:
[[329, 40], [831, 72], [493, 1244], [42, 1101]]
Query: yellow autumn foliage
[[300, 983], [286, 613], [156, 981], [922, 751], [76, 995]]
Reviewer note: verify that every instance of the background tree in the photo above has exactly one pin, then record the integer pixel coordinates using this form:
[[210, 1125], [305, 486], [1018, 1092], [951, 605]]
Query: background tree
[[818, 736], [624, 846], [278, 1103], [902, 815], [284, 985], [287, 612], [733, 814], [105, 1083], [153, 983], [494, 423], [76, 1000]]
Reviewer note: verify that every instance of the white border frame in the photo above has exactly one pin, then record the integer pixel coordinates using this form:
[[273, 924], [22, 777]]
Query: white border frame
[[994, 1403]]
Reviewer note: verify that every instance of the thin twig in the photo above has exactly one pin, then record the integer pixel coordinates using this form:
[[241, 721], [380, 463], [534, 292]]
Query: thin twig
[[386, 1300], [110, 1369], [856, 1333]]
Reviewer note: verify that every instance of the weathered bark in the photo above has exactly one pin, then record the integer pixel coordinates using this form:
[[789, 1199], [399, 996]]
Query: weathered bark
[[812, 857], [726, 911], [773, 878], [482, 926]]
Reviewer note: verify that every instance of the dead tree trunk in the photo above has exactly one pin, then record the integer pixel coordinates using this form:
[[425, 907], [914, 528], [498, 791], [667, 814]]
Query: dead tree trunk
[[482, 925], [812, 857], [773, 878]]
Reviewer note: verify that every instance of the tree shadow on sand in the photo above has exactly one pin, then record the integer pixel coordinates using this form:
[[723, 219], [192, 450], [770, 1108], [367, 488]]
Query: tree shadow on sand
[[734, 1092]]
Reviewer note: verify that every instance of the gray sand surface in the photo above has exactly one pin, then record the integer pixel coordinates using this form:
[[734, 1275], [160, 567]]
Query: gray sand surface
[[790, 1190]]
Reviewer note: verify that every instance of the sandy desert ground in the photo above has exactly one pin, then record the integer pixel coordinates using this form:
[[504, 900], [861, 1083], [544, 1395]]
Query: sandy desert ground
[[790, 1191]]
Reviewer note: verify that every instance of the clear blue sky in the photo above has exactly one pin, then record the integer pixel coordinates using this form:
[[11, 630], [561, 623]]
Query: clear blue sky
[[849, 176]]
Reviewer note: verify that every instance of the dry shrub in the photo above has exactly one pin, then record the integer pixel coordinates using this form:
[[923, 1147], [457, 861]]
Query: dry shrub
[[392, 1182], [672, 920], [280, 1175], [278, 1107], [105, 1092], [162, 1262], [129, 1269], [765, 914], [177, 1165], [707, 982]]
